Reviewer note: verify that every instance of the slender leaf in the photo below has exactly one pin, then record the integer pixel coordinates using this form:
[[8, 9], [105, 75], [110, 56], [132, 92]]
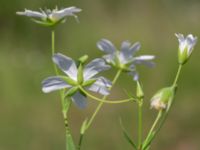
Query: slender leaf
[[148, 141], [70, 143], [126, 135]]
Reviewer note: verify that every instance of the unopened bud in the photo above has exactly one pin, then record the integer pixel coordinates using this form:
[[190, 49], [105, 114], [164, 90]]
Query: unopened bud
[[163, 98]]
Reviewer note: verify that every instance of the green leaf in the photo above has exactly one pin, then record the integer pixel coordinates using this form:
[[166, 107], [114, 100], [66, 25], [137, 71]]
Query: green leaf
[[70, 143], [126, 135], [148, 141]]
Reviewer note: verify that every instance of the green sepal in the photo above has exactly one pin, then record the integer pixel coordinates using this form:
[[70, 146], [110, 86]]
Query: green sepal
[[83, 59], [69, 80], [139, 91], [80, 74], [89, 82], [84, 126], [71, 91], [126, 135], [48, 22], [165, 95], [183, 57]]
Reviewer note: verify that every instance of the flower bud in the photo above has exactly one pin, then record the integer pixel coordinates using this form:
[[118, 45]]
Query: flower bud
[[83, 59], [163, 98], [186, 46], [139, 91]]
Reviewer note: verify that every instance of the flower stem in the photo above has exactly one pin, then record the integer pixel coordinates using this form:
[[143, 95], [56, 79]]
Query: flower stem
[[140, 103], [147, 140], [64, 109], [105, 100], [98, 108], [101, 103], [53, 49], [177, 75]]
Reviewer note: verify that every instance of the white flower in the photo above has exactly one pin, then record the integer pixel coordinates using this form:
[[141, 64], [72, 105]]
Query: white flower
[[186, 46], [75, 77], [124, 59], [50, 17]]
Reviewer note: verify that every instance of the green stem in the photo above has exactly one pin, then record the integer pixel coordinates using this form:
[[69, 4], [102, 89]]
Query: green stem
[[64, 109], [53, 49], [105, 100], [101, 103], [152, 129], [177, 75], [140, 103]]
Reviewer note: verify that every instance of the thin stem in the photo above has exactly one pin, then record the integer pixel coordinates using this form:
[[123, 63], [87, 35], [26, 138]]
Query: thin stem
[[105, 100], [153, 127], [104, 97], [140, 103], [177, 75], [64, 110], [53, 49]]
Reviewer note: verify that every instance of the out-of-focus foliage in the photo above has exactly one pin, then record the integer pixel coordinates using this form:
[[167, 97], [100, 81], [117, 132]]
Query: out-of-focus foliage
[[32, 120]]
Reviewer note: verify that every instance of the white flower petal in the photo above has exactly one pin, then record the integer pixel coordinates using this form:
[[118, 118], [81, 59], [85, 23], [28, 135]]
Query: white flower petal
[[94, 67], [145, 57], [101, 86], [127, 52], [106, 46], [30, 13], [60, 14], [66, 64], [53, 83], [80, 100]]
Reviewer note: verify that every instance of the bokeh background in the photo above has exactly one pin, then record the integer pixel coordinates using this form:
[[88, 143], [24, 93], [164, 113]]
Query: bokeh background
[[30, 119]]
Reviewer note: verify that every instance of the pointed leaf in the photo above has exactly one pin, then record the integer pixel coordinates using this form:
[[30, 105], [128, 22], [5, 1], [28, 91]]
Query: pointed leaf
[[127, 137], [70, 143], [148, 141]]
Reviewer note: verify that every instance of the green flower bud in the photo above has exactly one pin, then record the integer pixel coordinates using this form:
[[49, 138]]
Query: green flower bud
[[139, 91], [163, 98], [83, 59]]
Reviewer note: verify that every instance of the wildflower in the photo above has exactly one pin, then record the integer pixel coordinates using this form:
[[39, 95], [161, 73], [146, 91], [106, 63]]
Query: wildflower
[[124, 59], [163, 98], [50, 17], [75, 77], [186, 46]]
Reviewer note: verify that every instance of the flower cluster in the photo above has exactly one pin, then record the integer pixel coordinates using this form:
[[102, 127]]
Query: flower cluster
[[124, 59], [76, 76]]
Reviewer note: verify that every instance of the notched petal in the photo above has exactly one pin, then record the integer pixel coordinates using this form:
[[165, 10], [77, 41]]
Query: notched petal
[[101, 86], [94, 67], [106, 46], [66, 64]]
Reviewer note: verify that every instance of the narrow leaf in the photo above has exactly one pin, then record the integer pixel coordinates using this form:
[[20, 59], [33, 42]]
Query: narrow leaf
[[148, 141], [70, 143], [126, 135]]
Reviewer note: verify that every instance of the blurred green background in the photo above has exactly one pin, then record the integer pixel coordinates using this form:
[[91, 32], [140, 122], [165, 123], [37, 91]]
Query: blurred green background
[[30, 119]]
